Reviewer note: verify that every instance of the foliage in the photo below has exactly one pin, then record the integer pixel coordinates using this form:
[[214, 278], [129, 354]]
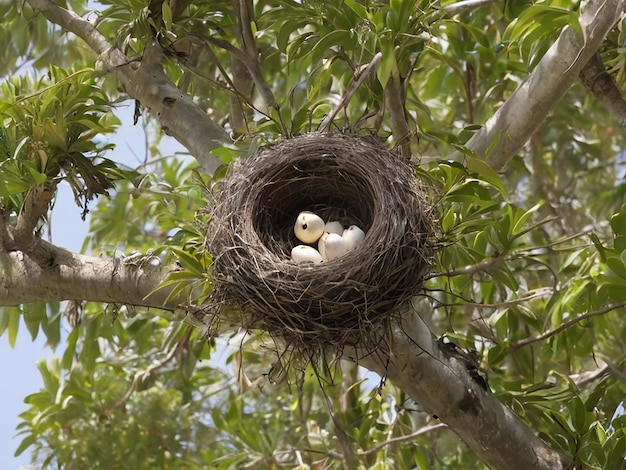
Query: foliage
[[532, 273]]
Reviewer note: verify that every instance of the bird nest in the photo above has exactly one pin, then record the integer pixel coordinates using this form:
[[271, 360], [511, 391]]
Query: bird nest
[[344, 301]]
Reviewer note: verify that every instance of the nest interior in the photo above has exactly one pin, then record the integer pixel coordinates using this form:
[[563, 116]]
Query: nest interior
[[351, 179]]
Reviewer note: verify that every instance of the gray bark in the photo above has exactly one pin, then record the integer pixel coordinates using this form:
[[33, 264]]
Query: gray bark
[[506, 132], [439, 379]]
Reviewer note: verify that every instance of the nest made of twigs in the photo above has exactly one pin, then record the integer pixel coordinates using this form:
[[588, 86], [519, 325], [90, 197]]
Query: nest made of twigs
[[344, 301]]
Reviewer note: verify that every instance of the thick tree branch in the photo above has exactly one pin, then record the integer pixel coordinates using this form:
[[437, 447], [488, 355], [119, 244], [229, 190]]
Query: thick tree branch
[[146, 82], [443, 384], [597, 80], [506, 132], [77, 277]]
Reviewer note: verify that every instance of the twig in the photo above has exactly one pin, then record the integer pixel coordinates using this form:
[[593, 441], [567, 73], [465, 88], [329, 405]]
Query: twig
[[360, 76], [408, 437], [397, 111], [536, 294], [471, 269], [466, 5], [566, 325], [245, 11], [145, 374]]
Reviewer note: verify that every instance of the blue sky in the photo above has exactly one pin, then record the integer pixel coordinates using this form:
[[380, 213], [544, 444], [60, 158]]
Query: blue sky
[[18, 366]]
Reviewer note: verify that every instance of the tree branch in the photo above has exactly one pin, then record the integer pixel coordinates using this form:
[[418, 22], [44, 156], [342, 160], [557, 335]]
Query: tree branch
[[418, 364], [247, 41], [22, 236], [467, 5], [360, 75], [146, 82], [77, 277], [506, 132], [397, 112], [565, 325], [601, 85], [143, 375], [399, 439]]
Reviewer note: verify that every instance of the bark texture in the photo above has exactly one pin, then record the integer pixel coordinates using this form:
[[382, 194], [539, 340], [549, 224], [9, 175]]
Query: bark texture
[[506, 132], [446, 384], [71, 276]]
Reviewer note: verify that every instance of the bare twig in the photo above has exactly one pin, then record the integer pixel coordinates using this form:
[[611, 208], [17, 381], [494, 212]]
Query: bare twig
[[471, 269], [408, 437], [144, 375], [466, 5], [359, 77], [397, 111], [526, 341], [535, 294]]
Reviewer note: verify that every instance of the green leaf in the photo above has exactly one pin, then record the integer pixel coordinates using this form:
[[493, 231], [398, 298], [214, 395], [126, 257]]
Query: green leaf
[[482, 169], [618, 221], [28, 441], [189, 262], [329, 41], [13, 326]]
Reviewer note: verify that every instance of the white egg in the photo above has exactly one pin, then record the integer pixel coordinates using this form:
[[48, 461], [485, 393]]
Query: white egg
[[309, 227], [332, 246], [353, 237], [334, 227], [305, 253]]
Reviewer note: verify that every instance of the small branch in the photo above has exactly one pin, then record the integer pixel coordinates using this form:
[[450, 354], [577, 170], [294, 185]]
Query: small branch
[[566, 325], [21, 236], [397, 111], [536, 294], [601, 85], [74, 23], [247, 41], [360, 76], [471, 269], [143, 375], [36, 205], [467, 5], [397, 440]]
